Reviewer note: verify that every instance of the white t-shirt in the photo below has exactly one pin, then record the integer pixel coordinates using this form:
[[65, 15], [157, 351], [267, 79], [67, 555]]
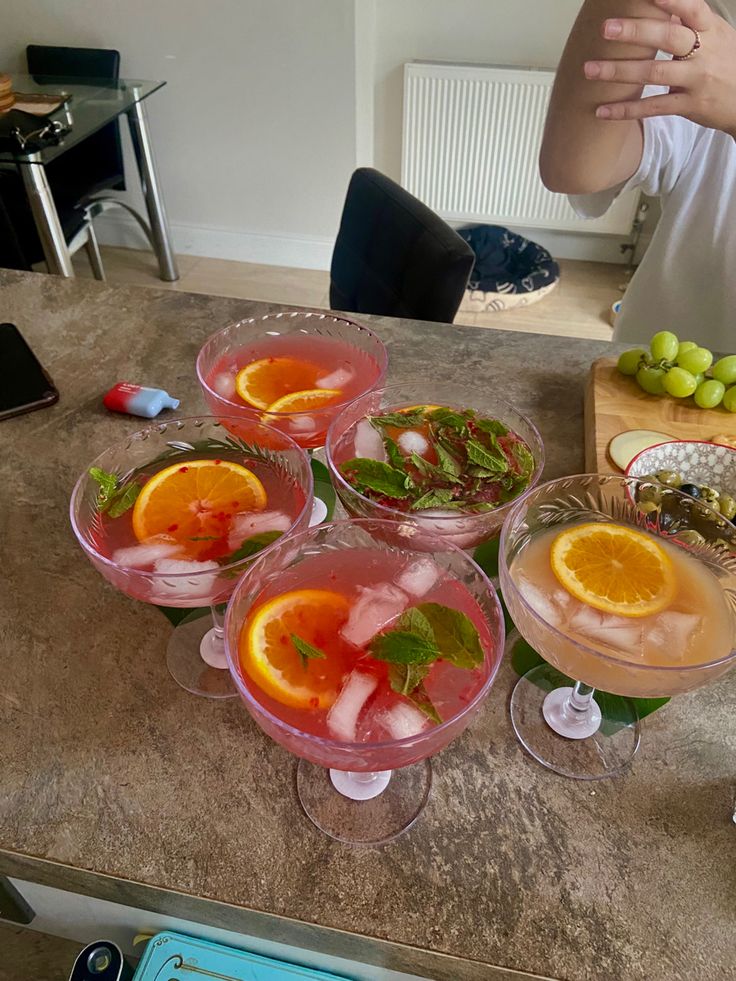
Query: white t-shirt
[[686, 281]]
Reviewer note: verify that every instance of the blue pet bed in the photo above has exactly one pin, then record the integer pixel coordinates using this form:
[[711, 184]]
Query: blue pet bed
[[509, 269]]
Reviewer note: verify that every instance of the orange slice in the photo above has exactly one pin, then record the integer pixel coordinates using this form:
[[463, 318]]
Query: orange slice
[[269, 658], [614, 568], [196, 499], [306, 401], [262, 382]]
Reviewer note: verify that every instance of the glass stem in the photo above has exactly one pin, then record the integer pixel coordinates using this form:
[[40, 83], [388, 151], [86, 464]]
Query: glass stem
[[218, 622], [578, 702]]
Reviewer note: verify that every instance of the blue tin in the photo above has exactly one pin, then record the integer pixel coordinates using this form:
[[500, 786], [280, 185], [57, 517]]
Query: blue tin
[[174, 957]]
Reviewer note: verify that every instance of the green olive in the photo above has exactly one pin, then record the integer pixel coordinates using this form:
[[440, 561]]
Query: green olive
[[727, 505], [709, 496], [670, 478], [702, 510], [691, 537], [648, 507], [650, 493]]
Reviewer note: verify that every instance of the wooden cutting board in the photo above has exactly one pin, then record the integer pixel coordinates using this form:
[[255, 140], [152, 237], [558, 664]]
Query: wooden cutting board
[[614, 403]]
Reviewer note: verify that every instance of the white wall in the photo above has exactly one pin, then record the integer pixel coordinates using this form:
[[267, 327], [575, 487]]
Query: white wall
[[255, 132]]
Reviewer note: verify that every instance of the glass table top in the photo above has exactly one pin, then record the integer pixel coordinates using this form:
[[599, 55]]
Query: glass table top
[[89, 104]]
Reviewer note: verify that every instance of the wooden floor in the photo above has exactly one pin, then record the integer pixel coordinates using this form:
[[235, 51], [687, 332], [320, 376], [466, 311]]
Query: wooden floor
[[578, 307]]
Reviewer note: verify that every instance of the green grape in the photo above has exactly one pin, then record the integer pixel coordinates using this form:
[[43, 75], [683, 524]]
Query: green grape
[[664, 346], [685, 346], [725, 370], [628, 363], [729, 399], [709, 393], [679, 383], [695, 360], [650, 379], [699, 378]]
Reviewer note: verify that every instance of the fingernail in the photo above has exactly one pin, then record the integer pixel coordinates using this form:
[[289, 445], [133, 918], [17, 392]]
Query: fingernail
[[592, 69], [612, 28], [603, 112]]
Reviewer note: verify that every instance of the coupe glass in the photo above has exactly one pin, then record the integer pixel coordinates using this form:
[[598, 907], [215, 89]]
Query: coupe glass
[[570, 728], [196, 652], [223, 354], [364, 792], [464, 530]]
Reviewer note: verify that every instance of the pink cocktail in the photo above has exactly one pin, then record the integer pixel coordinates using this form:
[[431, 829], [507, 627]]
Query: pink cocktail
[[294, 371], [176, 512], [364, 649]]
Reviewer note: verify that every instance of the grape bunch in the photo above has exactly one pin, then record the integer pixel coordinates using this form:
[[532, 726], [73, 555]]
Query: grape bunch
[[680, 369]]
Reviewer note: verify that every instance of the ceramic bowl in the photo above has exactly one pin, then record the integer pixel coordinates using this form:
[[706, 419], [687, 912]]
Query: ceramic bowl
[[701, 463]]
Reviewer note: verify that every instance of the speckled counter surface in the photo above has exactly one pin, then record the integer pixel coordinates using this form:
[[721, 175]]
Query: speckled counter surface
[[116, 783]]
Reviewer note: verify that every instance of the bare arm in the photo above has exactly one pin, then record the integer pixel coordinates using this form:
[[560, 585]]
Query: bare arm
[[581, 153]]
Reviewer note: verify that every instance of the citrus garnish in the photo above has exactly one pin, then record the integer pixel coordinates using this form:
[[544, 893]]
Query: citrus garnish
[[263, 382], [268, 655], [196, 500], [305, 401], [614, 568]]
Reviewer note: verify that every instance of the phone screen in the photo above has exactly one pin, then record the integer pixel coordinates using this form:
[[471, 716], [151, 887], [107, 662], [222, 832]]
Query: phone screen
[[24, 385]]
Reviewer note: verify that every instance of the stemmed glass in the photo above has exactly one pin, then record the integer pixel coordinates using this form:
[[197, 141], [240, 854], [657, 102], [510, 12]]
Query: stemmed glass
[[196, 655], [464, 530], [369, 788], [589, 729]]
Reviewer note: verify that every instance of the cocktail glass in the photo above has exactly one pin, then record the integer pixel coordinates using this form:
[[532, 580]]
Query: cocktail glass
[[464, 530], [365, 791], [335, 343], [570, 727], [196, 653]]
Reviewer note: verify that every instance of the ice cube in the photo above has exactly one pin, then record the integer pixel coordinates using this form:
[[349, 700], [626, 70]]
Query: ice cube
[[367, 442], [197, 585], [375, 608], [418, 577], [549, 605], [620, 633], [403, 720], [342, 719], [338, 378], [251, 523], [224, 385], [302, 425], [671, 632], [411, 442], [145, 554]]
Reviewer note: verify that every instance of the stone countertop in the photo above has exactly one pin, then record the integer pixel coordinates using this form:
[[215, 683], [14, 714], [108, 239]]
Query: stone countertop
[[108, 769]]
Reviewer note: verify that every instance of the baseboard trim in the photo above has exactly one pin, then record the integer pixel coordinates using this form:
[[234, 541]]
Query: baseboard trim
[[219, 243]]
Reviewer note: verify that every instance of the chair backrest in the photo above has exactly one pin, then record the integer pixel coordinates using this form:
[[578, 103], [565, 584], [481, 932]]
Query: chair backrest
[[394, 256], [97, 162]]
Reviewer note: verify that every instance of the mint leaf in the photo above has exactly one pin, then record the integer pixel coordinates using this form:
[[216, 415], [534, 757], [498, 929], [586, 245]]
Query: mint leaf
[[424, 703], [108, 484], [524, 458], [491, 426], [404, 678], [204, 538], [251, 546], [306, 651], [410, 642], [394, 454], [456, 636], [427, 469], [377, 476], [451, 419], [415, 621], [123, 499], [491, 460], [400, 420], [448, 464], [433, 499]]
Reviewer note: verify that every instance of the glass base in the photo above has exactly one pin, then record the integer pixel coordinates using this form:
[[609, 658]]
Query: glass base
[[331, 802], [191, 642], [584, 755]]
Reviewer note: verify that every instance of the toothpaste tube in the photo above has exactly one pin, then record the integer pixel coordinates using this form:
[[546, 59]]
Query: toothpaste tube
[[137, 400]]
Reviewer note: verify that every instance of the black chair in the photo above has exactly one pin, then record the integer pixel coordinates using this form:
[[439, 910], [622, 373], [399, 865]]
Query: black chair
[[96, 164], [11, 252], [394, 256]]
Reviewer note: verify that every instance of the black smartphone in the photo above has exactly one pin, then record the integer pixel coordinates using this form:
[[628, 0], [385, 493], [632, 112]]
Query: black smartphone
[[24, 385]]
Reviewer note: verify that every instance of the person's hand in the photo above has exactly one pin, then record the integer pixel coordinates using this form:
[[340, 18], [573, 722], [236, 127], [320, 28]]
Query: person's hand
[[701, 88]]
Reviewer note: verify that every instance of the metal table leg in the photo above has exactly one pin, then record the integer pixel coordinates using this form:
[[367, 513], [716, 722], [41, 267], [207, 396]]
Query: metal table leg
[[138, 121], [46, 217]]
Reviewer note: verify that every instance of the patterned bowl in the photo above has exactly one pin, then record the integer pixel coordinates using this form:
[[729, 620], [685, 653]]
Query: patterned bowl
[[701, 463]]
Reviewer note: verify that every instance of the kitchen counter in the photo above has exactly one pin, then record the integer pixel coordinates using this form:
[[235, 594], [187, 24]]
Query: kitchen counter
[[117, 784]]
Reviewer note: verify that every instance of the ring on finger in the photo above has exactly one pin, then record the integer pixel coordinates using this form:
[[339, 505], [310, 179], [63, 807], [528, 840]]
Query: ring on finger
[[691, 52]]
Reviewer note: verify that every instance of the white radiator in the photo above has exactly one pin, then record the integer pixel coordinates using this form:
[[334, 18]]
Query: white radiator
[[470, 148]]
